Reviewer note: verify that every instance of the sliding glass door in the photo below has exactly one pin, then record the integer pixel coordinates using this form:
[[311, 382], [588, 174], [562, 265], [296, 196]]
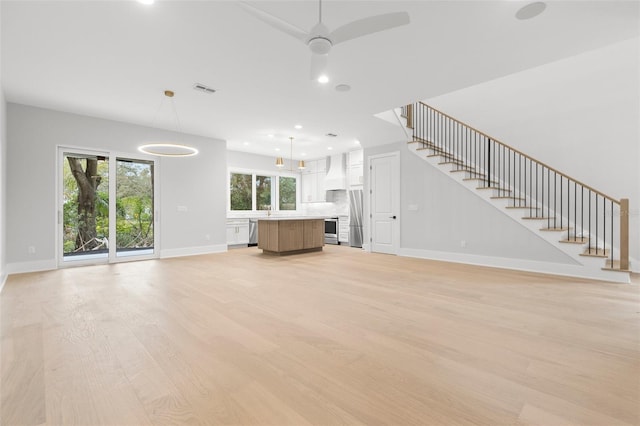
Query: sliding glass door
[[107, 207], [134, 208]]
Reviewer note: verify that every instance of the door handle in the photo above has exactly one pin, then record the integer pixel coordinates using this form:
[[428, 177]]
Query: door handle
[[392, 217]]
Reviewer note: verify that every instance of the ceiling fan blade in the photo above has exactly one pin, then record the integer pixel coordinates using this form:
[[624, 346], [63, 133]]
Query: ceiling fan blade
[[275, 22], [369, 25], [318, 65]]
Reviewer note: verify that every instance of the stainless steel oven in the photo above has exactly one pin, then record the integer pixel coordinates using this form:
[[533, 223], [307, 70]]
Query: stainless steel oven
[[331, 230]]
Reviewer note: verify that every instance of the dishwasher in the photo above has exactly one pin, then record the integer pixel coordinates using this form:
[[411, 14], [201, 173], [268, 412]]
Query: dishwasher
[[253, 232]]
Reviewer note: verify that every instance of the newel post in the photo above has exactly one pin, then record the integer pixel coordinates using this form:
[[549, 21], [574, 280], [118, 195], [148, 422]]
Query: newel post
[[624, 234], [410, 116]]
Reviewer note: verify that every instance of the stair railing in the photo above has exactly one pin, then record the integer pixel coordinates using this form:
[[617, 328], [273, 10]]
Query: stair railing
[[581, 213]]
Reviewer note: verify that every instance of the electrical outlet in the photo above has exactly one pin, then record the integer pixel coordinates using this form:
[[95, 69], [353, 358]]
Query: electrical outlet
[[31, 250], [463, 243]]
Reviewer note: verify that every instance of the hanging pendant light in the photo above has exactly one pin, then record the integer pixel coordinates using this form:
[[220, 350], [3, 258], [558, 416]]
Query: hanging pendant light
[[280, 160], [168, 149]]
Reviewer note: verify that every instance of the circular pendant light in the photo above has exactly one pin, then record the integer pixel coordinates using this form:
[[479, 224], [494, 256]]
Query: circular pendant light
[[168, 150], [164, 149]]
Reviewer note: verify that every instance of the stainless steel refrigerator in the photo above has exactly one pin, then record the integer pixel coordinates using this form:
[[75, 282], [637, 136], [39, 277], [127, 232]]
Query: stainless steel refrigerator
[[355, 218]]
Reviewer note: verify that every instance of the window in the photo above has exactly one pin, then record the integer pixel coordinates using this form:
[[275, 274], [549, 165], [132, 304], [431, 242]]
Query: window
[[287, 187], [259, 191], [263, 192], [241, 193]]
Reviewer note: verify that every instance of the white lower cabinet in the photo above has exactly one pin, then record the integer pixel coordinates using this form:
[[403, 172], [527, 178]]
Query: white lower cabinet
[[237, 231]]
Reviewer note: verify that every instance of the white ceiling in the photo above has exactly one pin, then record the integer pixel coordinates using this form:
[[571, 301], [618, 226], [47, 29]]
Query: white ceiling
[[113, 59]]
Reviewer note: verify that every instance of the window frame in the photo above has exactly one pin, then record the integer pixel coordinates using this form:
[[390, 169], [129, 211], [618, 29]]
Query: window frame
[[275, 189]]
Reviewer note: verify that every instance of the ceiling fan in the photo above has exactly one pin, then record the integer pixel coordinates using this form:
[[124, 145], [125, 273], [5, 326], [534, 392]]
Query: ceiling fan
[[320, 40]]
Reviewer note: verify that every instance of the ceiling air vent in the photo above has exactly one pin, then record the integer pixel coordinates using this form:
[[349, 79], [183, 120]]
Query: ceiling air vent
[[203, 88], [331, 135]]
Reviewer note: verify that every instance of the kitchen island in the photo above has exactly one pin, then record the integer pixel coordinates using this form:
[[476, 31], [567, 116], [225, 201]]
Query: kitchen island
[[290, 235]]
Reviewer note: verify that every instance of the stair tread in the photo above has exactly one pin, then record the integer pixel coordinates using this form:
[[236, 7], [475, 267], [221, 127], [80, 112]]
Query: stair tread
[[616, 266], [465, 169], [593, 252], [494, 187], [536, 218], [577, 240], [483, 179], [506, 197], [442, 154], [458, 162], [555, 229], [523, 207]]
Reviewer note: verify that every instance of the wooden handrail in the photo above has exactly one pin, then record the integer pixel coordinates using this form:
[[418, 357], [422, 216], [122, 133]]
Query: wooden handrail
[[524, 155]]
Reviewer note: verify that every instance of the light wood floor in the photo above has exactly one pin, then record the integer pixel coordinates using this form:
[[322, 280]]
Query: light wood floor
[[339, 337]]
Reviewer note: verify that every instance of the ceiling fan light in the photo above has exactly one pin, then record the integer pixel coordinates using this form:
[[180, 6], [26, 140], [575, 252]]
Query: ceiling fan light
[[320, 45]]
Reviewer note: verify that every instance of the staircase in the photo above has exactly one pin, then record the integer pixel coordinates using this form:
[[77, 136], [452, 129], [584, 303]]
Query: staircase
[[584, 223]]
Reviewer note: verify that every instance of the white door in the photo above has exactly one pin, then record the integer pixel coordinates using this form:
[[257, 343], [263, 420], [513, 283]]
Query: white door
[[384, 181]]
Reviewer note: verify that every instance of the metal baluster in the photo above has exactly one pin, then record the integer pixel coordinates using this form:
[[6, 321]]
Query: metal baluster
[[561, 198], [589, 221], [604, 226], [548, 198], [597, 224], [575, 211]]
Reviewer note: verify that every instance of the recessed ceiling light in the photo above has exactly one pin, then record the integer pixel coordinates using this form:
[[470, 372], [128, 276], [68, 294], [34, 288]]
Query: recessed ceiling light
[[146, 1], [298, 126], [343, 87], [246, 144], [277, 149], [330, 148], [269, 135], [323, 79], [357, 142], [304, 154], [531, 10]]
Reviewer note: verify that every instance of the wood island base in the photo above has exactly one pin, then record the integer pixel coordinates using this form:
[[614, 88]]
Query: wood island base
[[280, 236]]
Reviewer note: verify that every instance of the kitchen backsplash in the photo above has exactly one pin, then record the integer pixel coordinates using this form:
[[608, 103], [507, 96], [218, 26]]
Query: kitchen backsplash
[[339, 206]]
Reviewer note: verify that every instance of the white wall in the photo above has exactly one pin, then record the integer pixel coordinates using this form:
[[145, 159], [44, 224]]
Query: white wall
[[448, 214], [245, 160], [580, 115], [34, 134]]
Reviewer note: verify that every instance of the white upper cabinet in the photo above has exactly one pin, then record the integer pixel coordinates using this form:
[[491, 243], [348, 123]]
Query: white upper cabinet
[[313, 189], [356, 168]]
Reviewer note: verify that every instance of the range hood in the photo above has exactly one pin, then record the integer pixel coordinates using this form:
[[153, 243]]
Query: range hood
[[336, 176]]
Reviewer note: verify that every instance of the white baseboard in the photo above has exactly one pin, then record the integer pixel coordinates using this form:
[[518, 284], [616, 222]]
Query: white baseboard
[[191, 251], [33, 266], [3, 279], [577, 271]]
